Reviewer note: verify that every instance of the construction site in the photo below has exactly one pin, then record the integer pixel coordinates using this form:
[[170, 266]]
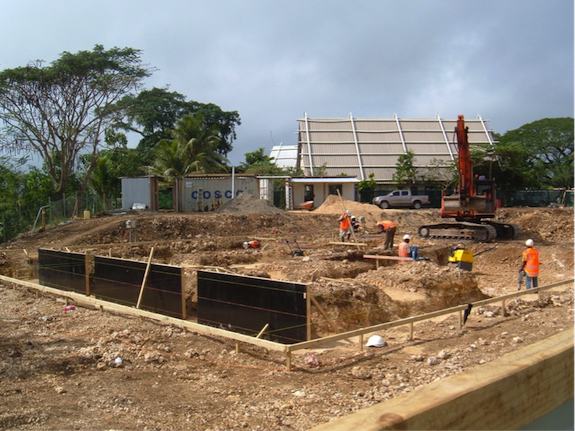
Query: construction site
[[73, 363]]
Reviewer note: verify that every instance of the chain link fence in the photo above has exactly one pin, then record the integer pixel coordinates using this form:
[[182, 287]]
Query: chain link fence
[[26, 219]]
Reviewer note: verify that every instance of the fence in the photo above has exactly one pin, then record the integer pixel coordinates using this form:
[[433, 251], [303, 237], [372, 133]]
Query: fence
[[26, 218], [507, 198]]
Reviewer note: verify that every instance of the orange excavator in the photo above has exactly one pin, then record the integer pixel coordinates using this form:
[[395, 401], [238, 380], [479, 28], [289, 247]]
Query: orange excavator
[[473, 204]]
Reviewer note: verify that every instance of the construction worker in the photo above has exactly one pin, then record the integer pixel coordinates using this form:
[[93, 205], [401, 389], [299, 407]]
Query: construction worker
[[388, 227], [530, 264], [345, 225], [354, 226], [408, 250]]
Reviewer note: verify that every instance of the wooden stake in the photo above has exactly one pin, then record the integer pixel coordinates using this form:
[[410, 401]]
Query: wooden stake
[[323, 313], [266, 326], [145, 278]]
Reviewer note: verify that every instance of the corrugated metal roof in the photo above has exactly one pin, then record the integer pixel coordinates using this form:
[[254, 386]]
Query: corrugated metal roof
[[339, 180], [285, 156], [373, 145]]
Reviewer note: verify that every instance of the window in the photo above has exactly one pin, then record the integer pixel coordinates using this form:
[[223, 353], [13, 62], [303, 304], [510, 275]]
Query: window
[[334, 188]]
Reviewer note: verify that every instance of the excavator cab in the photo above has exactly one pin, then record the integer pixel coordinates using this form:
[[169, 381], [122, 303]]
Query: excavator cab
[[480, 203]]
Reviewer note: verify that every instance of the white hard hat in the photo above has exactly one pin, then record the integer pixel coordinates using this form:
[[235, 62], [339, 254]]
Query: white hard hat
[[375, 341], [529, 243], [406, 236], [348, 212]]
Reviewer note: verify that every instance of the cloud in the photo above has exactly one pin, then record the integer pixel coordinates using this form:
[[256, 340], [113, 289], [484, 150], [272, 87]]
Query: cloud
[[271, 61]]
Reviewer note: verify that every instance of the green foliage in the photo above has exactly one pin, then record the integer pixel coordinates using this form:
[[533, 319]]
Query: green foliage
[[444, 173], [61, 110], [369, 183], [105, 182], [546, 150], [258, 163], [193, 149], [153, 114], [405, 171], [320, 171]]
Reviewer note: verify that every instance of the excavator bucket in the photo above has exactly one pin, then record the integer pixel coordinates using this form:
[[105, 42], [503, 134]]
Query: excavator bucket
[[473, 203]]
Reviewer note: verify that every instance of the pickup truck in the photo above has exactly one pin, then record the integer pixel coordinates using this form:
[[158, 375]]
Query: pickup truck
[[400, 198]]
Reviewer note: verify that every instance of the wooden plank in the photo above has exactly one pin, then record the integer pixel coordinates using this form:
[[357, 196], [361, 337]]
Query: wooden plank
[[359, 244], [266, 326], [507, 393], [381, 257], [123, 309], [145, 278]]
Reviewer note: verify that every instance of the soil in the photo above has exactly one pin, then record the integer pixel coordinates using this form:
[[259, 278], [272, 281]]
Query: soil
[[84, 369]]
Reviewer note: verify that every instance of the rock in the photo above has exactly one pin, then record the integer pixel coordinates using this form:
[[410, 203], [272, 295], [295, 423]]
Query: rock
[[442, 355], [517, 340], [360, 373], [432, 360], [153, 356], [60, 390]]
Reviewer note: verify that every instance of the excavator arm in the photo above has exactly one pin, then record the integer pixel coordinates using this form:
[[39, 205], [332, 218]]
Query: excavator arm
[[464, 203]]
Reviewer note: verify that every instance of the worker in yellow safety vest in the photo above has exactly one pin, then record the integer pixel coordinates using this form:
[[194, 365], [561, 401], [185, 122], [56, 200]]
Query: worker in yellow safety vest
[[530, 264]]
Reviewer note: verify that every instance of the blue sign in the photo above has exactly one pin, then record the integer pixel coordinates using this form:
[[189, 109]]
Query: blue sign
[[207, 195]]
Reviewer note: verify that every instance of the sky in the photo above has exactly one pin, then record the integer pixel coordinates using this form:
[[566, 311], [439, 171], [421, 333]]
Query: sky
[[273, 61]]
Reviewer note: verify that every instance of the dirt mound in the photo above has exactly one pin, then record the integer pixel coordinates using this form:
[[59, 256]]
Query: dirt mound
[[439, 286], [548, 224], [406, 220], [246, 203]]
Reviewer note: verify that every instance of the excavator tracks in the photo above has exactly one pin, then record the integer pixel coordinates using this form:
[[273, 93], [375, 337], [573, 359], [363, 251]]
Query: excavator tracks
[[460, 230], [505, 230]]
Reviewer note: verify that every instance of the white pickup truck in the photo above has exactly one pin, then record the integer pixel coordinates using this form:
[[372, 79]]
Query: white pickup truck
[[401, 198]]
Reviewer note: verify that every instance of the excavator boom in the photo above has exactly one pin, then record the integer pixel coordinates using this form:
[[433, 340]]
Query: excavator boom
[[474, 201]]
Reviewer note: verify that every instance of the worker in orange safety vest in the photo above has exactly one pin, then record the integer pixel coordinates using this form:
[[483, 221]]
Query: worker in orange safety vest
[[345, 225], [408, 250], [389, 228], [530, 264]]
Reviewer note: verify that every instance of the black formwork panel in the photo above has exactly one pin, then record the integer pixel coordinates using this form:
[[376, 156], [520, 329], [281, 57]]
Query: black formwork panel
[[120, 281], [62, 270], [246, 304]]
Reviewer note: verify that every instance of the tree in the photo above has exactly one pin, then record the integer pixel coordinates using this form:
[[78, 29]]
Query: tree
[[153, 114], [545, 148], [405, 171], [104, 181], [192, 150], [258, 163], [61, 110], [441, 172], [368, 184]]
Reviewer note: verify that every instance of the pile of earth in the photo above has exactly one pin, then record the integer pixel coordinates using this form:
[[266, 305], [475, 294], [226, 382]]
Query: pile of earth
[[246, 203]]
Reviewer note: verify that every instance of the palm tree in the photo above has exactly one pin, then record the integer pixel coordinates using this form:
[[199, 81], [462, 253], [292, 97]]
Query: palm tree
[[103, 181], [193, 150]]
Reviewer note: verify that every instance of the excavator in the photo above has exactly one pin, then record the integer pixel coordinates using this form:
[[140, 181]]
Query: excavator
[[473, 204]]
